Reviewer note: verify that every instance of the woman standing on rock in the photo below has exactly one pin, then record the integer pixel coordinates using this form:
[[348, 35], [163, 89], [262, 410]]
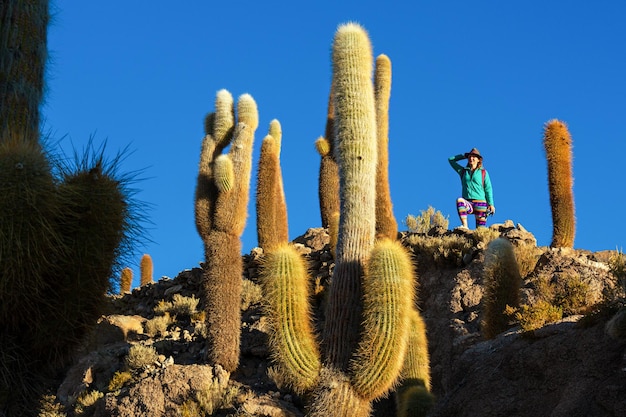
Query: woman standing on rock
[[477, 194]]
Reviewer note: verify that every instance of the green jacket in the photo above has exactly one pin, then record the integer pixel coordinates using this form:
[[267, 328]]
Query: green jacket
[[472, 182]]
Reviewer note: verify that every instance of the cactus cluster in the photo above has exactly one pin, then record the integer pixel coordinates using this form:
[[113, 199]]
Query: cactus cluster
[[221, 202], [359, 353]]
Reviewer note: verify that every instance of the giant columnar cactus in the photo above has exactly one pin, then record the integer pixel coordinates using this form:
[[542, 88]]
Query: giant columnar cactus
[[386, 225], [558, 145], [328, 190], [502, 286], [23, 53], [271, 208], [221, 211], [360, 353]]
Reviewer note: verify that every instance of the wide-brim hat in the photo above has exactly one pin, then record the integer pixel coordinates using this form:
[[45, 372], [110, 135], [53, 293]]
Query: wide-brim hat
[[474, 152]]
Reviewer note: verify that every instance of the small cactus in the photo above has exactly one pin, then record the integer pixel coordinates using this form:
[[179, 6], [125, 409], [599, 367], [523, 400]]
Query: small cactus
[[502, 286], [146, 270]]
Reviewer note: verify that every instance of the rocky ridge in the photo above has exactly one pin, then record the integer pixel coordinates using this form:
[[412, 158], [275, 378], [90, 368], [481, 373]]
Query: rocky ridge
[[563, 368]]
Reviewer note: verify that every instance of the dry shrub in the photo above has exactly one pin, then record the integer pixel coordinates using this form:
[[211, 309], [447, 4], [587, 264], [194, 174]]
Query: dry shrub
[[49, 407], [86, 401], [556, 296], [251, 294], [157, 326], [571, 294], [427, 219], [617, 268], [180, 306], [483, 236], [531, 317], [444, 251], [140, 357], [119, 379], [209, 399]]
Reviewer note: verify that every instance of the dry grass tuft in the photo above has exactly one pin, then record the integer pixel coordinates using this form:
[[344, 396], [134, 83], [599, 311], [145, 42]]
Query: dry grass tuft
[[140, 357], [427, 219]]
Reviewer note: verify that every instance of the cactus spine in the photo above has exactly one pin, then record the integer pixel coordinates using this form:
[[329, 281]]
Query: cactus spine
[[221, 212], [386, 225], [367, 321], [272, 228], [558, 145], [502, 285], [146, 268]]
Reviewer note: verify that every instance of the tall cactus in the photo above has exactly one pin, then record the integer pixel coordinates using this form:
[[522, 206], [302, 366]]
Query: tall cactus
[[221, 210], [502, 285], [558, 145], [271, 207], [386, 224], [359, 355]]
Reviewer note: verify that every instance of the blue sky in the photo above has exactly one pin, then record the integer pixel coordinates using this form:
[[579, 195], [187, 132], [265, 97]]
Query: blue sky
[[485, 74]]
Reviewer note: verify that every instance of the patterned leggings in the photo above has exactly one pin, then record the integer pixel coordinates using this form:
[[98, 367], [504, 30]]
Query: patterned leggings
[[476, 207]]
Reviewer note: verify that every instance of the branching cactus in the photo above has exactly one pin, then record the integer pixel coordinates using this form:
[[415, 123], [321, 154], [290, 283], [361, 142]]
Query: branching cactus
[[558, 145], [502, 286], [271, 208], [328, 190], [221, 210], [386, 225], [359, 355]]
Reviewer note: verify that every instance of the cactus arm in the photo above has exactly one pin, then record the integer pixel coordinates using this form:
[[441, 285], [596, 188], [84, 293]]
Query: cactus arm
[[388, 299], [285, 286], [328, 189], [266, 195], [386, 225]]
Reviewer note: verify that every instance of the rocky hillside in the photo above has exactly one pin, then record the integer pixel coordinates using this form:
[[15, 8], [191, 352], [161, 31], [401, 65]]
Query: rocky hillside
[[146, 356]]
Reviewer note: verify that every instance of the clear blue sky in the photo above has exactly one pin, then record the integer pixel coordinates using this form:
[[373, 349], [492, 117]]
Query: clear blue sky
[[485, 74]]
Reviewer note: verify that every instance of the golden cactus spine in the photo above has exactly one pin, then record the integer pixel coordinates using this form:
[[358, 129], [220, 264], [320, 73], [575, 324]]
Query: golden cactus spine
[[126, 280], [23, 38], [221, 213], [271, 208], [146, 268], [502, 286], [386, 224], [558, 145], [328, 189]]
